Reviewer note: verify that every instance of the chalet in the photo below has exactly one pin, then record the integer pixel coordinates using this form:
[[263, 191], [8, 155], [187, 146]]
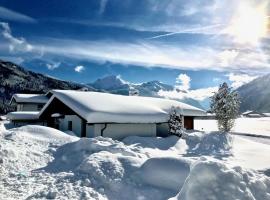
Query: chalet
[[91, 114], [29, 102], [27, 108], [253, 114]]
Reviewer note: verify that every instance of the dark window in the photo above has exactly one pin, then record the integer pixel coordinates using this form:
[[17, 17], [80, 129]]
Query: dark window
[[40, 106], [70, 125]]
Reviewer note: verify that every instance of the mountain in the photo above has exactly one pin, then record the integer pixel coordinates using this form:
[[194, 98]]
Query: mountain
[[114, 84], [255, 95], [16, 79]]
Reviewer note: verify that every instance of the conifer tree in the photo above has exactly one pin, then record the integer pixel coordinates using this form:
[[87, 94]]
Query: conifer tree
[[176, 123], [225, 104]]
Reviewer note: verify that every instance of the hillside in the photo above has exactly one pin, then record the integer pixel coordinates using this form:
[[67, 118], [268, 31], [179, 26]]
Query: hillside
[[256, 95], [14, 79]]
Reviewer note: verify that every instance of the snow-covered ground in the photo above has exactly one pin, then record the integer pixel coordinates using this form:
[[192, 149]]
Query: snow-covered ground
[[43, 163], [256, 126]]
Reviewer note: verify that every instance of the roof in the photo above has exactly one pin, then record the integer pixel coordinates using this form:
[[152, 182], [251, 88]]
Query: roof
[[23, 115], [97, 107], [29, 98], [249, 112]]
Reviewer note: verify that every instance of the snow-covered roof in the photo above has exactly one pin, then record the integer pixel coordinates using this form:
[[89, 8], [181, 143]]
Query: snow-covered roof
[[97, 107], [23, 115], [29, 98], [250, 112]]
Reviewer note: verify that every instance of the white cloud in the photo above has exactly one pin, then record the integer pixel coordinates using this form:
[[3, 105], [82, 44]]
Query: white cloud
[[198, 94], [240, 79], [227, 57], [7, 14], [54, 65], [79, 68], [184, 82], [15, 44], [183, 90]]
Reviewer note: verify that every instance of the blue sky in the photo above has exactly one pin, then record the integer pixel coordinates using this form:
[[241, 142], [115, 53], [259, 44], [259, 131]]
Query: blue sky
[[141, 40]]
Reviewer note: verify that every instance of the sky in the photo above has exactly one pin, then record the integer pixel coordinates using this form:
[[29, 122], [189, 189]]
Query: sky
[[194, 45]]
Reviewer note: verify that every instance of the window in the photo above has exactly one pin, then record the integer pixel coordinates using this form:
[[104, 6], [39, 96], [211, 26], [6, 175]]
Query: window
[[70, 125], [40, 106]]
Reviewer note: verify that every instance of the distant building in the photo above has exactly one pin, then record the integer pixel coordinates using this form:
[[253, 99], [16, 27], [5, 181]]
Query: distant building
[[27, 108], [29, 102], [254, 114]]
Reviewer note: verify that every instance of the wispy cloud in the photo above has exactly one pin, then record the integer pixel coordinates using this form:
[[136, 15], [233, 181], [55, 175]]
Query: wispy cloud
[[161, 55], [210, 29], [102, 6], [79, 68], [53, 65], [7, 14], [15, 44]]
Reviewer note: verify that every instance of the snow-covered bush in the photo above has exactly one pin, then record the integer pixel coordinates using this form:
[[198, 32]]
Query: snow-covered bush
[[176, 122], [225, 104]]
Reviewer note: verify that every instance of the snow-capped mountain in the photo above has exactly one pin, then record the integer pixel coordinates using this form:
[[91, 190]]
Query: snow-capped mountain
[[114, 84], [255, 95]]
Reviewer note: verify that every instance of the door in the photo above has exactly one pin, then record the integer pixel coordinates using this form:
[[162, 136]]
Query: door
[[188, 122]]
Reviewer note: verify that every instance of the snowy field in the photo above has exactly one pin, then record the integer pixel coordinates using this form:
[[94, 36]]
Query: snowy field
[[256, 126], [43, 163]]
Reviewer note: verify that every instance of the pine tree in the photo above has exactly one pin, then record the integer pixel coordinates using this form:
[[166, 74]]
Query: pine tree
[[176, 126], [225, 104]]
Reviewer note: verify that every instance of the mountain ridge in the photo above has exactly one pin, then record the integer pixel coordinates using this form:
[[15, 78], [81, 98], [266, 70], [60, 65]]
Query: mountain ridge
[[255, 95]]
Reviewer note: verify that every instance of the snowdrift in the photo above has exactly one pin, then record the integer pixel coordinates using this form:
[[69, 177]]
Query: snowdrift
[[43, 163], [216, 181]]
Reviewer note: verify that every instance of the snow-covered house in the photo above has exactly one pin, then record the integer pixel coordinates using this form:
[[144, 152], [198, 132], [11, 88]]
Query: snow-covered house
[[91, 114], [252, 113], [27, 108], [29, 102]]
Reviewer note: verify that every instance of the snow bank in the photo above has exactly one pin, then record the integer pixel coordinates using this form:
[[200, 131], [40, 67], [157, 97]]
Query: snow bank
[[75, 155], [42, 163], [211, 143], [43, 133], [214, 180], [154, 142], [25, 148], [166, 173]]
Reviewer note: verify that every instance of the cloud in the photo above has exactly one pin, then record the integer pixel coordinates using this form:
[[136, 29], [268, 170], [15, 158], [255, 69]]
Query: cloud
[[7, 14], [183, 91], [184, 82], [15, 44], [102, 7], [53, 65], [79, 68], [198, 94], [209, 29], [240, 79], [152, 54]]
